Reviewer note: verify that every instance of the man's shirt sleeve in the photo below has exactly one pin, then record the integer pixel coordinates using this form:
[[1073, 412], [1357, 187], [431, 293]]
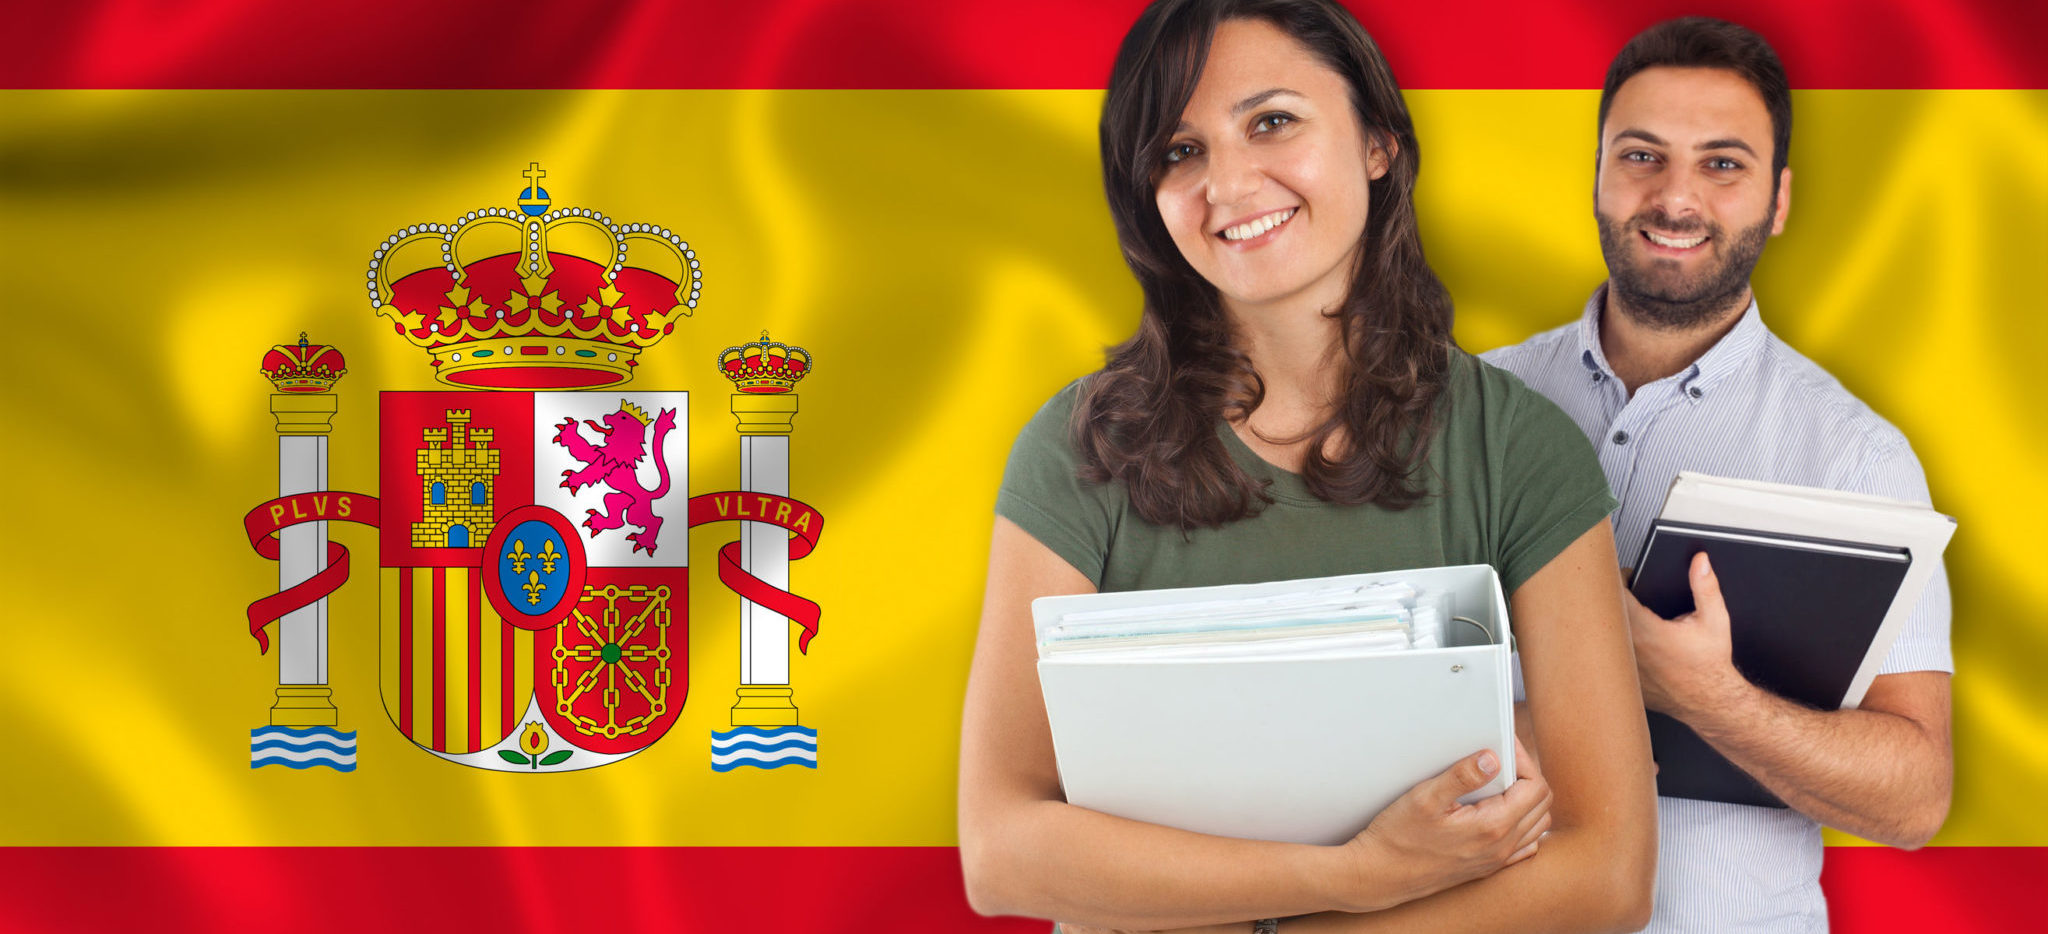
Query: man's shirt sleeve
[[1892, 470]]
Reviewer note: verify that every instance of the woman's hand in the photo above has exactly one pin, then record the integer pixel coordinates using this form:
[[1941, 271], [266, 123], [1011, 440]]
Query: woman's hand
[[1426, 841]]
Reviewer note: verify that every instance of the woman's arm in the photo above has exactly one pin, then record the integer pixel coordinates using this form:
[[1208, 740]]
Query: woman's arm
[[1026, 851], [1598, 866]]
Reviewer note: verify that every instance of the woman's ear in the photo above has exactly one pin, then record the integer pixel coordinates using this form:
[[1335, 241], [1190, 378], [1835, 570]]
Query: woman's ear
[[1379, 155]]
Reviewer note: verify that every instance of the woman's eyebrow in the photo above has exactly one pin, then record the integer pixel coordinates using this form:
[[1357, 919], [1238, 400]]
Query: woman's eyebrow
[[1238, 109], [1260, 98]]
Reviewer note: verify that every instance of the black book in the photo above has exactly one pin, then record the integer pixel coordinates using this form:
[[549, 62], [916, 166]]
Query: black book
[[1803, 613]]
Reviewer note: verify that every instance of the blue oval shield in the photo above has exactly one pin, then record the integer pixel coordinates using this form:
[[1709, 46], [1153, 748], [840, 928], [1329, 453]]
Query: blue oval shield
[[534, 567]]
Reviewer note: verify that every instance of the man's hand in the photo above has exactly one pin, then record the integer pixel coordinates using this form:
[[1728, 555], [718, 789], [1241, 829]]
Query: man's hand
[[1687, 663], [1882, 771]]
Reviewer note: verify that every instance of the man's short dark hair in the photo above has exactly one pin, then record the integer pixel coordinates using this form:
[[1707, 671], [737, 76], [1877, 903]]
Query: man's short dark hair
[[1704, 42]]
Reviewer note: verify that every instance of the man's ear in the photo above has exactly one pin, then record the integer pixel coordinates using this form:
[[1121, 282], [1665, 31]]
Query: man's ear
[[1783, 208]]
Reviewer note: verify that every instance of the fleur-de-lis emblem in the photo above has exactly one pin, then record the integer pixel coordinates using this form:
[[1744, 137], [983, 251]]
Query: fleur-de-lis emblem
[[533, 587], [519, 557], [548, 555]]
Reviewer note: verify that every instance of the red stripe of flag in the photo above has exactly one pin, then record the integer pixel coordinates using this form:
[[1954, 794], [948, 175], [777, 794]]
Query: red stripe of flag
[[946, 44], [1963, 890], [438, 889]]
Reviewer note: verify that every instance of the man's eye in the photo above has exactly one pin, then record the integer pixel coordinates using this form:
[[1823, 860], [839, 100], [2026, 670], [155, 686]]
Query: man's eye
[[1723, 165], [1638, 156], [1179, 152], [1270, 122]]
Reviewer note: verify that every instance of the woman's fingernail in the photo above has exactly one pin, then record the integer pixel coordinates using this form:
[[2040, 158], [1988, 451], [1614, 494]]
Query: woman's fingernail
[[1489, 763]]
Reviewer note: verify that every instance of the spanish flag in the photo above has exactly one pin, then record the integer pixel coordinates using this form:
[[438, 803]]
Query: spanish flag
[[905, 198]]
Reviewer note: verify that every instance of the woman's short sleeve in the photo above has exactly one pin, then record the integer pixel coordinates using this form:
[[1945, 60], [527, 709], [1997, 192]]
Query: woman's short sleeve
[[1044, 495], [1550, 488]]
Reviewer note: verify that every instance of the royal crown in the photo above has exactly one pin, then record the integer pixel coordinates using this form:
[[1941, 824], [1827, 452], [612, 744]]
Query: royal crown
[[764, 366], [532, 298], [303, 367]]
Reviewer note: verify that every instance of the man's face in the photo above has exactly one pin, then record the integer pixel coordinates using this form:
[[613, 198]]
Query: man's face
[[1684, 193]]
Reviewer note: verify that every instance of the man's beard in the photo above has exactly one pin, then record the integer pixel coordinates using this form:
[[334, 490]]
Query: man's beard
[[1661, 297]]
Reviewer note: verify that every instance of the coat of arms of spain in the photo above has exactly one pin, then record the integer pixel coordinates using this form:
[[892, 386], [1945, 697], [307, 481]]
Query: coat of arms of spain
[[533, 522]]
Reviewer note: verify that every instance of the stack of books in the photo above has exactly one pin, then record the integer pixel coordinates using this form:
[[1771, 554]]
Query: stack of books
[[1818, 583]]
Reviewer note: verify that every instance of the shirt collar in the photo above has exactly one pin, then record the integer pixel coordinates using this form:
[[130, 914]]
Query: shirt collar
[[1725, 357]]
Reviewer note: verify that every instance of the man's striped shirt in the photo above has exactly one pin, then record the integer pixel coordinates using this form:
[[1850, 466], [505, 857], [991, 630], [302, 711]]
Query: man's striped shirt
[[1749, 408]]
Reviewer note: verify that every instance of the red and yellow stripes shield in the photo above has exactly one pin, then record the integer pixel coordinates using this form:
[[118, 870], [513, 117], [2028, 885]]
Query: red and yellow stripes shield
[[454, 676]]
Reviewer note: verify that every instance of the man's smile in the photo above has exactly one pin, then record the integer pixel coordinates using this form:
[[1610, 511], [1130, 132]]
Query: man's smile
[[1684, 243], [1668, 245]]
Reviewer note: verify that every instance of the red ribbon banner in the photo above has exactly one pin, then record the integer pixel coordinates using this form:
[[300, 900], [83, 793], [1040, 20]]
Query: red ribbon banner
[[804, 524], [265, 521]]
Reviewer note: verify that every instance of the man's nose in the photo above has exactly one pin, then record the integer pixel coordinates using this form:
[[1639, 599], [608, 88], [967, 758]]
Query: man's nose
[[1678, 194], [1234, 175]]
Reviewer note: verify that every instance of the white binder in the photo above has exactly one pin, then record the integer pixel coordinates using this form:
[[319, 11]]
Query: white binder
[[1302, 750]]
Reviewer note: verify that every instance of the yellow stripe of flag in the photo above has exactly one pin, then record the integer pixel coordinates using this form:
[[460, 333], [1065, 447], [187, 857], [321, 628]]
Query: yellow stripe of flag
[[947, 257]]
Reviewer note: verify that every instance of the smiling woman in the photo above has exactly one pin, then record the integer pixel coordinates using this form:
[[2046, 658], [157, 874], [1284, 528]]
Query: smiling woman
[[1293, 406], [1287, 161], [1237, 198]]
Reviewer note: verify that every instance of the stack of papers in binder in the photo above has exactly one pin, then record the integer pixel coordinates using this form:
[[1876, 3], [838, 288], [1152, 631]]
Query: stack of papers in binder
[[1293, 710], [1350, 619]]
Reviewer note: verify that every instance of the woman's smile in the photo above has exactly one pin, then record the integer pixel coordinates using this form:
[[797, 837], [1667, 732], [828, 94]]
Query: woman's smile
[[1259, 230]]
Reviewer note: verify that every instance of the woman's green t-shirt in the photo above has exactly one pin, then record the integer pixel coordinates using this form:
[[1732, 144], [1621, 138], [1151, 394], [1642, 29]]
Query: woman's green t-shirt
[[1511, 482]]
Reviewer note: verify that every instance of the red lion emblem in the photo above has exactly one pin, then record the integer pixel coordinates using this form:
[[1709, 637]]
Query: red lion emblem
[[612, 463]]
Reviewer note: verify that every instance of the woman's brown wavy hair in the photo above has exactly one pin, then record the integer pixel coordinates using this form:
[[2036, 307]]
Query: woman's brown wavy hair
[[1149, 417]]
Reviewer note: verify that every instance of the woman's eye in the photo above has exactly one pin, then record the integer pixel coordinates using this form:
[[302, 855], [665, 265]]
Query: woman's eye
[[1179, 152], [1270, 122]]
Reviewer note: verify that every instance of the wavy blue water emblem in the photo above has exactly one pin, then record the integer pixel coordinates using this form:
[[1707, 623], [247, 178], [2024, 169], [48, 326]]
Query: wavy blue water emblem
[[302, 747], [764, 748]]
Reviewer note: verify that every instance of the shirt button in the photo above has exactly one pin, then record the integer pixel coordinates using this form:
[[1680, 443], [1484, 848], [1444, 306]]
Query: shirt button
[[1598, 377], [1694, 391], [1621, 437]]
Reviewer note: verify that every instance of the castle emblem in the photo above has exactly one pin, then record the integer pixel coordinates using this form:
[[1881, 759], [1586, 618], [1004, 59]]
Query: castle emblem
[[533, 533]]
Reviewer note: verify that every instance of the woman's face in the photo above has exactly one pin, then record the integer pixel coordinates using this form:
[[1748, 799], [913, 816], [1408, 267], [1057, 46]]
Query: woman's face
[[1264, 182]]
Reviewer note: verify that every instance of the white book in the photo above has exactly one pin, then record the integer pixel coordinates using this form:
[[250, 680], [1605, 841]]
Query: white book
[[1302, 737], [1831, 514]]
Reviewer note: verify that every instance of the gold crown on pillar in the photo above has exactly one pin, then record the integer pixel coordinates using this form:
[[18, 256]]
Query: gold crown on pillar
[[532, 298], [764, 366], [303, 367]]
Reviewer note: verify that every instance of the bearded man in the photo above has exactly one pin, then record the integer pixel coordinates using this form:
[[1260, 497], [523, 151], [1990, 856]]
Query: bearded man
[[1671, 368]]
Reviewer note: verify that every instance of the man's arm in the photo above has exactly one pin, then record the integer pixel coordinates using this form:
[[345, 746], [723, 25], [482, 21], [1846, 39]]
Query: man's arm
[[1882, 771]]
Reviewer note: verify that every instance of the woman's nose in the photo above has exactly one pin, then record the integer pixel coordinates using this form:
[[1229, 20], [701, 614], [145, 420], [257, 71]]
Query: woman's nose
[[1234, 175]]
